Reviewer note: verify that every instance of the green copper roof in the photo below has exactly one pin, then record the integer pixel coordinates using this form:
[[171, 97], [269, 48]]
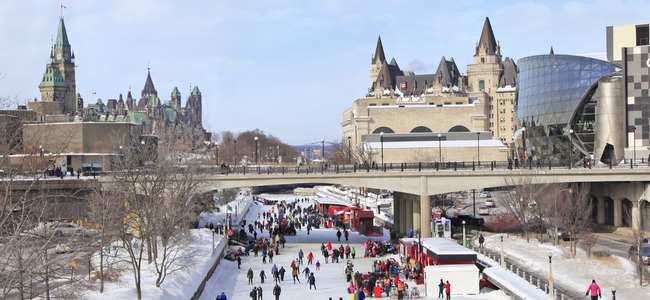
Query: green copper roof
[[154, 101], [196, 91], [169, 115], [61, 38], [167, 103], [175, 92], [138, 117], [52, 77]]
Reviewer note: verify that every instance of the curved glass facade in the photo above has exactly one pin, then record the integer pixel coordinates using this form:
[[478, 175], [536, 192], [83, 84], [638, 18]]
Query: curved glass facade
[[551, 86], [550, 89]]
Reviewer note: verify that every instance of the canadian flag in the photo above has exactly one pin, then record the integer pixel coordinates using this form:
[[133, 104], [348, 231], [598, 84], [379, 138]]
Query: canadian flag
[[63, 6], [403, 85], [94, 93]]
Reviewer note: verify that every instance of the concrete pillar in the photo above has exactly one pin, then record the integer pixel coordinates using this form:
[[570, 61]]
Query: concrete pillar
[[402, 215], [601, 210], [416, 212], [409, 214], [635, 215], [618, 212], [397, 197], [425, 208]]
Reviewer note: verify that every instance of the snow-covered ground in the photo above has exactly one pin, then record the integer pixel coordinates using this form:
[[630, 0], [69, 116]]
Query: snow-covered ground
[[575, 272]]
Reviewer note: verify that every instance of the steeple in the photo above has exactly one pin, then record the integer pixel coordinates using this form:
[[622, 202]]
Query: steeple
[[62, 38], [487, 41], [552, 52], [379, 52], [148, 89]]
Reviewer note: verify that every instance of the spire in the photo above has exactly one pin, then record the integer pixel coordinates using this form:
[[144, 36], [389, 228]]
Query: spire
[[148, 89], [379, 52], [196, 91], [61, 37], [487, 39], [552, 52], [175, 92]]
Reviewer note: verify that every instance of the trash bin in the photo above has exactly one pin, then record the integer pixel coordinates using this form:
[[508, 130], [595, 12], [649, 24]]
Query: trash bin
[[467, 242]]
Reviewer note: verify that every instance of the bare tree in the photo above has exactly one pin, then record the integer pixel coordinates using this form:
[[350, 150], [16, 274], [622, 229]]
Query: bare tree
[[106, 210], [588, 240], [502, 222], [522, 203], [574, 212], [637, 236]]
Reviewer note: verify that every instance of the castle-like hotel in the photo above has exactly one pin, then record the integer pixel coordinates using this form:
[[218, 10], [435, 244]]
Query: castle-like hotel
[[415, 116]]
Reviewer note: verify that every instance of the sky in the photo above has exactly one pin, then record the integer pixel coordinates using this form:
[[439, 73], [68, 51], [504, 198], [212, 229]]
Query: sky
[[287, 67]]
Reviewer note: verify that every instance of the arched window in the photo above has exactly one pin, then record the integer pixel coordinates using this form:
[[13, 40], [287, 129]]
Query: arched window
[[459, 128], [481, 85], [421, 129], [383, 129]]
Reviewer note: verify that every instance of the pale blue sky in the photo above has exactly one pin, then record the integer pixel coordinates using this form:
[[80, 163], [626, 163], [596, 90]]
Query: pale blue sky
[[289, 68]]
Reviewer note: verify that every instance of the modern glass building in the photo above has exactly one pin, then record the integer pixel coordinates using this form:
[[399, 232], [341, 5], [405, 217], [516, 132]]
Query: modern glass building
[[557, 100]]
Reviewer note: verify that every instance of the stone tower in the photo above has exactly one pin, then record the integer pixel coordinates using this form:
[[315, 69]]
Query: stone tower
[[64, 61], [197, 107], [176, 99]]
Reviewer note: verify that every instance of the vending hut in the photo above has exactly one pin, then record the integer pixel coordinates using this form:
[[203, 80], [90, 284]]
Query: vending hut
[[329, 205], [444, 251]]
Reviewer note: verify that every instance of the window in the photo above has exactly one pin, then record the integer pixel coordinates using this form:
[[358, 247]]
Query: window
[[373, 104], [481, 84], [385, 104]]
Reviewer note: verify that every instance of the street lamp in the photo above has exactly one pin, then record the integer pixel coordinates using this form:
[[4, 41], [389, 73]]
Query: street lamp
[[322, 142], [463, 233], [478, 148], [277, 158], [523, 138], [551, 292], [570, 147], [503, 265], [256, 150], [613, 288], [439, 147], [381, 138], [235, 142], [349, 148], [633, 143]]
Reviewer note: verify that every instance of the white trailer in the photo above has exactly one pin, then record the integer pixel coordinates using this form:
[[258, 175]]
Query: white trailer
[[463, 278]]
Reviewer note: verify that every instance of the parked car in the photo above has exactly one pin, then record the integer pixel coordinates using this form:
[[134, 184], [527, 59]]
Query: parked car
[[63, 248], [561, 234], [490, 203], [470, 220], [645, 254], [65, 229], [486, 195], [483, 210]]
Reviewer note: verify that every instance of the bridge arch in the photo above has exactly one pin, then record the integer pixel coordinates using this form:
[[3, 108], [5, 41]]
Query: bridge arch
[[609, 211], [626, 206]]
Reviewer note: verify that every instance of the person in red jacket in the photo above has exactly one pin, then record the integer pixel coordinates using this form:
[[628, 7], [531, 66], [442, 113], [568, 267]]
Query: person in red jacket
[[448, 290], [593, 290], [310, 258]]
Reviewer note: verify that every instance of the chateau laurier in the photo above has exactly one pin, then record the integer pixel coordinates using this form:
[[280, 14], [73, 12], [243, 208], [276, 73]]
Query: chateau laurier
[[417, 115]]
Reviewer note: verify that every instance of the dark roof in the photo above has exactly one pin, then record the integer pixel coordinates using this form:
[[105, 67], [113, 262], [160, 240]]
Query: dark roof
[[509, 73], [148, 89], [415, 84], [447, 73], [388, 72], [379, 52], [487, 38]]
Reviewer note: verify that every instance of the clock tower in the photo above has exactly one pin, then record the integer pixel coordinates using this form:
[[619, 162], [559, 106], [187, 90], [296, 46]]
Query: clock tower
[[64, 61]]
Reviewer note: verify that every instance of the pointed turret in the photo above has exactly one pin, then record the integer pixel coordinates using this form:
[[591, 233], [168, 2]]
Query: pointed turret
[[149, 88], [447, 73], [176, 98], [379, 52], [552, 52], [487, 41], [62, 37], [196, 91]]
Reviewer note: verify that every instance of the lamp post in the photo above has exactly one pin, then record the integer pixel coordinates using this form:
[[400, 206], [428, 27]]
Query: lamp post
[[503, 265], [235, 160], [439, 147], [551, 292], [463, 233], [633, 143], [271, 151], [381, 139], [570, 147], [278, 154], [613, 288], [255, 150], [350, 148], [322, 143], [523, 138], [478, 148]]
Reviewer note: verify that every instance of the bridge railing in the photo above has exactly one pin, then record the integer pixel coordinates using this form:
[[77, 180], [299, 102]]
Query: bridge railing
[[442, 166]]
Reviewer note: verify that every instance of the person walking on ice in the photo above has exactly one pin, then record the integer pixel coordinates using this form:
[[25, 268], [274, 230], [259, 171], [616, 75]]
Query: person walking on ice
[[317, 266], [276, 291], [249, 275], [312, 281], [262, 276]]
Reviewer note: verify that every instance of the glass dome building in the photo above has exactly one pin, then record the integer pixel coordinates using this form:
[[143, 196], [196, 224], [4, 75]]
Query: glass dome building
[[552, 96]]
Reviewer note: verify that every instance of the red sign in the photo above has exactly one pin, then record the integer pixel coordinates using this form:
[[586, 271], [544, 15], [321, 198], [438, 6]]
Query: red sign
[[403, 85], [230, 232]]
